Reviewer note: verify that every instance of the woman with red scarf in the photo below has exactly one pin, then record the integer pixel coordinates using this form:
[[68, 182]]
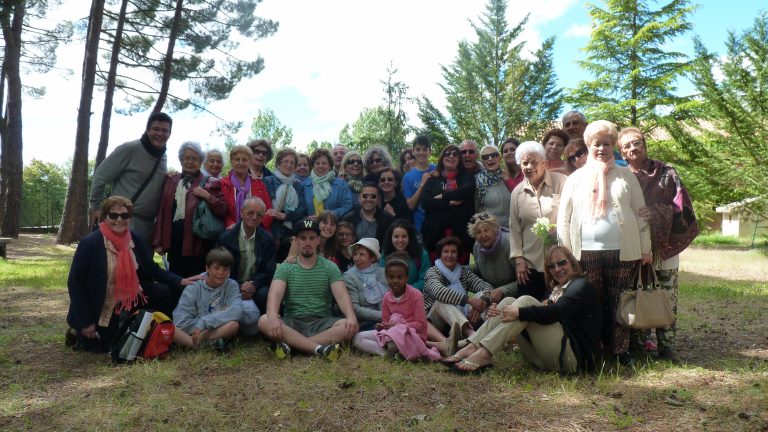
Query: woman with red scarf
[[112, 272], [238, 185], [599, 221], [448, 201]]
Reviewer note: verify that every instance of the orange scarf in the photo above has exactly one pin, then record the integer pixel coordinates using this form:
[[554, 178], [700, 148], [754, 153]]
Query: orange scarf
[[127, 290]]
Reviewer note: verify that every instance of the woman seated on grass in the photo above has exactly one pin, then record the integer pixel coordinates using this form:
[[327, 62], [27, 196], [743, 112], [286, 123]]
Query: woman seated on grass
[[112, 273], [209, 310], [560, 334], [366, 282]]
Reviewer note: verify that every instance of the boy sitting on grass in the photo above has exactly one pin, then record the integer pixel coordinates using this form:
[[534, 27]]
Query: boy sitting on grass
[[209, 309]]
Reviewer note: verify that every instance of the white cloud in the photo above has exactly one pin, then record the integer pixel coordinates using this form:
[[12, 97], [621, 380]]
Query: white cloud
[[579, 30]]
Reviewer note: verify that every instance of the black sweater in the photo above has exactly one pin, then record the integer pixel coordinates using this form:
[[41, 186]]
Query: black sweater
[[439, 214], [578, 311]]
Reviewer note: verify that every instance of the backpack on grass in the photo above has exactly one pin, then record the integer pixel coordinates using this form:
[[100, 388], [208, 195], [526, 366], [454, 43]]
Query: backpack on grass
[[143, 334]]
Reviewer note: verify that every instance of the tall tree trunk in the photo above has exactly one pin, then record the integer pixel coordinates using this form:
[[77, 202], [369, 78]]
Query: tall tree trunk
[[74, 219], [12, 163], [168, 62], [106, 116]]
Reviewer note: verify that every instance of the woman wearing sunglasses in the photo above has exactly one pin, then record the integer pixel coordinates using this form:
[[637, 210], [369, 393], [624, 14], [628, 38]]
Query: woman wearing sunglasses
[[491, 193], [575, 154], [376, 159], [112, 273], [562, 333], [392, 200], [533, 201], [448, 201], [351, 171]]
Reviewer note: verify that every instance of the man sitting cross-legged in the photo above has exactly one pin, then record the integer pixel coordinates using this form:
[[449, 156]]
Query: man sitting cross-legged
[[304, 288]]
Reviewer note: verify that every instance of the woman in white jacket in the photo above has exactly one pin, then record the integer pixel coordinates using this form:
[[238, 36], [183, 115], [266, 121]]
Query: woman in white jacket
[[599, 222]]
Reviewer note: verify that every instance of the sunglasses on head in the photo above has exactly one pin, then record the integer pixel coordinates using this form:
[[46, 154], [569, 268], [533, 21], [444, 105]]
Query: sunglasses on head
[[577, 155], [355, 162], [489, 156], [479, 217], [554, 265], [468, 151], [451, 153], [115, 215]]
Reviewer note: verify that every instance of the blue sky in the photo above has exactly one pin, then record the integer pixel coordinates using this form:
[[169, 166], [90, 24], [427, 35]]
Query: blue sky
[[324, 64]]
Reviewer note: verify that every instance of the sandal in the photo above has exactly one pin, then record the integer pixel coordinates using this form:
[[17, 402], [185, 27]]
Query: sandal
[[450, 361], [476, 368]]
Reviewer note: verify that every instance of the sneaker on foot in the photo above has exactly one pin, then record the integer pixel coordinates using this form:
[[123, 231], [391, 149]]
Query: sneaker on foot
[[650, 346], [332, 352], [282, 350], [219, 345]]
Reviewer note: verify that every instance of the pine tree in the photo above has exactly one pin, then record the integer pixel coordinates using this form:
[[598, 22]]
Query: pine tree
[[634, 76]]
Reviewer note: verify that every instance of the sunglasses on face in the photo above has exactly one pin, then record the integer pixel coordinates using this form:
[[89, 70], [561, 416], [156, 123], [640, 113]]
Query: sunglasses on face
[[451, 153], [369, 196], [577, 155], [260, 152], [555, 265], [386, 180], [355, 162], [123, 216], [374, 161], [468, 151], [489, 156]]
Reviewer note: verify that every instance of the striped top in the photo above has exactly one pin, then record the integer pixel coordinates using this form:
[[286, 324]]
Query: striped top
[[436, 288], [308, 291]]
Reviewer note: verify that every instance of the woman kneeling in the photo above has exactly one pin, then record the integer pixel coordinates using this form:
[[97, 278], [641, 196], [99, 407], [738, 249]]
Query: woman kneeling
[[560, 334]]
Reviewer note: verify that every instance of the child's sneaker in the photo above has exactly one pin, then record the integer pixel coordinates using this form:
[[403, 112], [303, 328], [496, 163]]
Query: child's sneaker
[[219, 345], [332, 352], [650, 346], [282, 350]]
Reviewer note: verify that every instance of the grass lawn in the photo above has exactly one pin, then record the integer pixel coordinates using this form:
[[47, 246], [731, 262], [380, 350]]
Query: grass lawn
[[722, 385]]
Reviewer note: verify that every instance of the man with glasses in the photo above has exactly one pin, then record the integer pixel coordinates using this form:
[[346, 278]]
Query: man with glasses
[[469, 153], [253, 251], [136, 169], [305, 290], [369, 221], [415, 179]]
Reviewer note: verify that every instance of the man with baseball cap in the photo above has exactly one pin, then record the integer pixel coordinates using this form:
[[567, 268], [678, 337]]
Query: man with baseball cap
[[305, 290]]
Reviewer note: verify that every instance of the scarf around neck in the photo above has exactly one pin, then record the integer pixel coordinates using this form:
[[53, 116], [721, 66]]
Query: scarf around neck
[[453, 276], [286, 197], [373, 290], [127, 289], [321, 185], [485, 180], [601, 191], [154, 151], [495, 246], [450, 181], [242, 191]]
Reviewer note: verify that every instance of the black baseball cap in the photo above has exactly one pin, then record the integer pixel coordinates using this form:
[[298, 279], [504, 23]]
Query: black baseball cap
[[304, 225]]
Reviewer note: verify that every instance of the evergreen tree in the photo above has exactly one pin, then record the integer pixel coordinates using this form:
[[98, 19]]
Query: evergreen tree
[[492, 91], [267, 126], [634, 74]]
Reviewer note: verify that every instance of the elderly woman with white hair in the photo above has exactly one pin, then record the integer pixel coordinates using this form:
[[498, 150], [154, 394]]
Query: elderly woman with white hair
[[491, 193], [213, 164], [181, 194], [533, 202], [599, 221], [491, 252]]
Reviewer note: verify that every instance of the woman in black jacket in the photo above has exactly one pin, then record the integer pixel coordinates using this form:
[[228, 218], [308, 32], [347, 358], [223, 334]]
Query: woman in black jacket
[[561, 334], [448, 201], [112, 272]]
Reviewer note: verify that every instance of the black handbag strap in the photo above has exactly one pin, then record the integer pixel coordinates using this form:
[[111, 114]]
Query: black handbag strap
[[146, 182]]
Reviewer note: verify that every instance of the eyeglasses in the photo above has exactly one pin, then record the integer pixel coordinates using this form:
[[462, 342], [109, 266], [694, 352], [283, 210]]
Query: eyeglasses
[[355, 162], [260, 152], [577, 155], [468, 151], [386, 180], [486, 157], [555, 265], [344, 235], [375, 161], [123, 216], [635, 143], [369, 195], [451, 153], [479, 217]]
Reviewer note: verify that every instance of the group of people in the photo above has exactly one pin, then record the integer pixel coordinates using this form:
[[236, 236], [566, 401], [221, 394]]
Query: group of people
[[340, 246]]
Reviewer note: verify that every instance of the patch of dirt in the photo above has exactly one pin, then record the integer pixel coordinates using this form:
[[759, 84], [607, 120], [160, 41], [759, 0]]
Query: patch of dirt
[[36, 246], [748, 265]]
